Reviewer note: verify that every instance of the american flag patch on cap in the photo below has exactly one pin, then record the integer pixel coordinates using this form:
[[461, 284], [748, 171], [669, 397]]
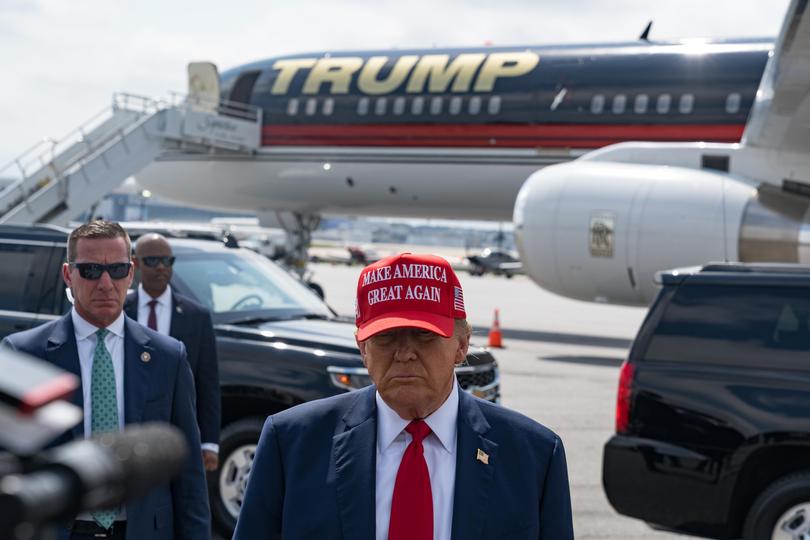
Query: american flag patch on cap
[[458, 299]]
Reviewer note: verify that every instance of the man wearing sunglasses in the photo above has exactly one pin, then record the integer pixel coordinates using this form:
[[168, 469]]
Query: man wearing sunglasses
[[156, 305], [129, 374]]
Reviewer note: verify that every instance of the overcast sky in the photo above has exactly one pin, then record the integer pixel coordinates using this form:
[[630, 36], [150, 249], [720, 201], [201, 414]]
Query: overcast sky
[[63, 59]]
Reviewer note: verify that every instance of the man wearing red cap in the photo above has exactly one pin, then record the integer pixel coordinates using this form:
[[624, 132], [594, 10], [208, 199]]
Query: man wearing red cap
[[410, 457]]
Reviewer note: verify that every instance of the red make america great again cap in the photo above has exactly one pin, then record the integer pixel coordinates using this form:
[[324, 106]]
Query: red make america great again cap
[[411, 291]]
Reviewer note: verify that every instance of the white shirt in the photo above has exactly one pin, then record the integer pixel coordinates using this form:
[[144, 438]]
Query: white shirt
[[163, 309], [163, 313], [440, 455], [86, 345]]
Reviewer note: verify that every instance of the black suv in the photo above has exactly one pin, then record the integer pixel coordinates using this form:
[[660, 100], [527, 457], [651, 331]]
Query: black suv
[[278, 343], [713, 414]]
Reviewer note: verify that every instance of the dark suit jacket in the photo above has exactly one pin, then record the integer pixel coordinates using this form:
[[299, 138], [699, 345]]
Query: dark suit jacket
[[191, 324], [314, 474], [160, 390]]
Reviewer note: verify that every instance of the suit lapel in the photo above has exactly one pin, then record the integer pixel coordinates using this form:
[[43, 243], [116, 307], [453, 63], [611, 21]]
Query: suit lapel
[[138, 358], [355, 456], [62, 352], [473, 475], [178, 327]]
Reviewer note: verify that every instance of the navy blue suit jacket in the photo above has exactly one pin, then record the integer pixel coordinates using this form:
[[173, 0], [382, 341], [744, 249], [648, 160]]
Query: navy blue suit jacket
[[314, 474], [191, 324], [160, 390]]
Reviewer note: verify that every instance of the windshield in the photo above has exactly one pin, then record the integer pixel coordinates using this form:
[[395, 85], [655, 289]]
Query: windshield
[[240, 284]]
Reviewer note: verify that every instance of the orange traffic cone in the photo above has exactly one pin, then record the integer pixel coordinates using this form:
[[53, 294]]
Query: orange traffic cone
[[495, 335]]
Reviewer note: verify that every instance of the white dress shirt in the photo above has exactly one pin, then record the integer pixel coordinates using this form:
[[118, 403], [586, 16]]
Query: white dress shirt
[[86, 345], [163, 309], [440, 455]]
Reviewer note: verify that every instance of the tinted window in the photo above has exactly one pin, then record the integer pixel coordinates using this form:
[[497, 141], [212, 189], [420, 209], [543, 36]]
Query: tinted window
[[755, 326], [24, 267]]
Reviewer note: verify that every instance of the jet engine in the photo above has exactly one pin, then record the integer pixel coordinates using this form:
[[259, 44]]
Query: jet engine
[[599, 231]]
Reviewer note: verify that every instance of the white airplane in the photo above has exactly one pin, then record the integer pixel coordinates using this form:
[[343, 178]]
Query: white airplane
[[456, 133]]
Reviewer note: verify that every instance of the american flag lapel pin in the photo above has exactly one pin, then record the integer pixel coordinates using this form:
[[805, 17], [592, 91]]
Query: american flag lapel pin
[[482, 456]]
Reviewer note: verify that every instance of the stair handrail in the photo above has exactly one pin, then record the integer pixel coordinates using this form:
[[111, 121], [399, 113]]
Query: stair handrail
[[121, 100]]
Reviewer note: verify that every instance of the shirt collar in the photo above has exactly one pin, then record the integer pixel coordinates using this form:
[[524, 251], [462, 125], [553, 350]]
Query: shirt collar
[[143, 297], [442, 422], [83, 329]]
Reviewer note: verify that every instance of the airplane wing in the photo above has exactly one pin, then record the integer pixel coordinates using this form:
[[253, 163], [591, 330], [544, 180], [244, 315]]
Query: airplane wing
[[780, 117]]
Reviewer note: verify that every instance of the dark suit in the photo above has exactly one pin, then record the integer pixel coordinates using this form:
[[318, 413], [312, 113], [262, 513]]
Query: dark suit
[[160, 390], [191, 324], [314, 474]]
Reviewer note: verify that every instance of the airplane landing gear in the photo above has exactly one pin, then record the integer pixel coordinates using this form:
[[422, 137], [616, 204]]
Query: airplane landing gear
[[299, 227]]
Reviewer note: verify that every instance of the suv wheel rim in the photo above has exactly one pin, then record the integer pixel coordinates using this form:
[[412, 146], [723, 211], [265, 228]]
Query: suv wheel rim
[[793, 524], [233, 478]]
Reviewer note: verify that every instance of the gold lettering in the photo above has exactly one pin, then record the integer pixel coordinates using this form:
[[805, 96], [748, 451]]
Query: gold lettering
[[336, 72], [287, 70], [369, 82], [433, 69], [508, 64]]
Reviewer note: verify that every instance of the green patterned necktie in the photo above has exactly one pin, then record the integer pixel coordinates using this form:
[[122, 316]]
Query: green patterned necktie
[[105, 406]]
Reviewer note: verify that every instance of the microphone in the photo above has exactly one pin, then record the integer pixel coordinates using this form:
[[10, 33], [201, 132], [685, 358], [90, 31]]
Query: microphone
[[92, 474]]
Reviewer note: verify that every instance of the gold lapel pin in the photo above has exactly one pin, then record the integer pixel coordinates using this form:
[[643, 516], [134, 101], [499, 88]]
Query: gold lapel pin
[[146, 357], [482, 456]]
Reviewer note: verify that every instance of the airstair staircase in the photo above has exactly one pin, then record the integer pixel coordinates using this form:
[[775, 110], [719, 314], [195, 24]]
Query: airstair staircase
[[55, 181]]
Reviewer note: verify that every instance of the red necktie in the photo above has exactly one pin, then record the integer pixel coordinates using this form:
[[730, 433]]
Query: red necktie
[[152, 321], [412, 505]]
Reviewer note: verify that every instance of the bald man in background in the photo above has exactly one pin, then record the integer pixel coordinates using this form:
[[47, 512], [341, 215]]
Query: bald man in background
[[155, 305]]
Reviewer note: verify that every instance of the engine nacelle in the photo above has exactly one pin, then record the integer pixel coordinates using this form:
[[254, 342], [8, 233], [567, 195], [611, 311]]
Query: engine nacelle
[[599, 231]]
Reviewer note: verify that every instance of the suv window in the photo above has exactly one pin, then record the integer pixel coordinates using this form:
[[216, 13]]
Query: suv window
[[758, 326], [24, 267]]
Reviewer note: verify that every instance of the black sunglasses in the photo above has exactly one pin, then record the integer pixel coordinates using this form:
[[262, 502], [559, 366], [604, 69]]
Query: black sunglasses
[[95, 270], [152, 262]]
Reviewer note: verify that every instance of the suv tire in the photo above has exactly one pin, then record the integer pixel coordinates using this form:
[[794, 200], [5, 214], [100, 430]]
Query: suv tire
[[226, 486], [785, 506]]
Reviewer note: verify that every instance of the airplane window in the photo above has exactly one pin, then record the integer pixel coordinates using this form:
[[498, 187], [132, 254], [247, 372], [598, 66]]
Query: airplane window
[[436, 105], [494, 106], [597, 103], [312, 106], [455, 105], [733, 103], [418, 105], [686, 103], [640, 105], [619, 102], [328, 106], [380, 106], [362, 106], [662, 104], [399, 105], [475, 105], [292, 107]]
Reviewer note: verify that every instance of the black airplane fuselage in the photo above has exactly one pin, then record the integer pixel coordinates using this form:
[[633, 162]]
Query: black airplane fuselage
[[576, 97]]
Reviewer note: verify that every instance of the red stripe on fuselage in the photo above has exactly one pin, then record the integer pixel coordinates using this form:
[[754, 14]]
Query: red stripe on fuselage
[[495, 135]]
